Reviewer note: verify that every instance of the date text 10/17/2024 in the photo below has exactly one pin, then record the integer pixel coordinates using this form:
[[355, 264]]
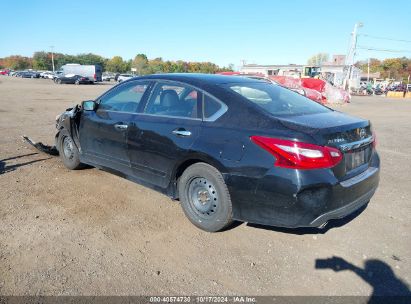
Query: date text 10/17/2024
[[202, 299]]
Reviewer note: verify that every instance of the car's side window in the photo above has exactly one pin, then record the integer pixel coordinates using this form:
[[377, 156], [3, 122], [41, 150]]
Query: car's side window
[[126, 98], [174, 99], [212, 108]]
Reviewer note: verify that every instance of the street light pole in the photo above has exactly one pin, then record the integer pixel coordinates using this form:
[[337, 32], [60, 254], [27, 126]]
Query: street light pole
[[52, 56], [368, 70]]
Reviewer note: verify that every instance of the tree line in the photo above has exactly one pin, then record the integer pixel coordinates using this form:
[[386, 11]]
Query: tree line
[[142, 65], [396, 68]]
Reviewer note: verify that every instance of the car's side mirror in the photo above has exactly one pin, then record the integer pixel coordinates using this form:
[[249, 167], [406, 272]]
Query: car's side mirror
[[89, 105]]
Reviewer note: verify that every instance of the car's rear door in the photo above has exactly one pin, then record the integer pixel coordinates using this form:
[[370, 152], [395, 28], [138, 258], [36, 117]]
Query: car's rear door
[[165, 132], [103, 133]]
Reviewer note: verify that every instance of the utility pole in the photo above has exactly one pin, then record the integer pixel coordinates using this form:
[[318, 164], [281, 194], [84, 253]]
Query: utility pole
[[349, 61], [52, 56], [243, 63], [368, 70]]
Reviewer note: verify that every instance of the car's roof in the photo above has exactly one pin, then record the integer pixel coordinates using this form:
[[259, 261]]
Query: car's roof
[[197, 78]]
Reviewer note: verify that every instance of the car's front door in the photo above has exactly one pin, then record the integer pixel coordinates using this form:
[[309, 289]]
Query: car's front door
[[164, 132], [103, 133]]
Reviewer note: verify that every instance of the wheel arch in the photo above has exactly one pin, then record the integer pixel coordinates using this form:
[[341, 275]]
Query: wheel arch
[[183, 164]]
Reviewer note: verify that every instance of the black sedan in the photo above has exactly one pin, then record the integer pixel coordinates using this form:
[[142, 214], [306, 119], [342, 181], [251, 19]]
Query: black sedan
[[72, 79], [229, 148], [28, 74]]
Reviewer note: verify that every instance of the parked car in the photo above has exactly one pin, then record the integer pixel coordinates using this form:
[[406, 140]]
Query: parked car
[[4, 72], [123, 77], [47, 74], [92, 72], [229, 148], [108, 76], [28, 74], [57, 74], [72, 79]]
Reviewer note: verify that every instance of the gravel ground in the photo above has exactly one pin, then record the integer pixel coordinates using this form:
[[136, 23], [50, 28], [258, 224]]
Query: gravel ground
[[89, 232]]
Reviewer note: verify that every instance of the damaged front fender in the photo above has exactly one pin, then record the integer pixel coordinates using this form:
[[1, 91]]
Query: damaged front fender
[[69, 121]]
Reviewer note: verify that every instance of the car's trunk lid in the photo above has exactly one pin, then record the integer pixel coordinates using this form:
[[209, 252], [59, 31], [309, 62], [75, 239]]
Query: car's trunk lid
[[352, 135]]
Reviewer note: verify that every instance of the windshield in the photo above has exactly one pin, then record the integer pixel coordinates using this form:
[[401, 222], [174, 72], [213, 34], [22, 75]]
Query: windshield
[[277, 100]]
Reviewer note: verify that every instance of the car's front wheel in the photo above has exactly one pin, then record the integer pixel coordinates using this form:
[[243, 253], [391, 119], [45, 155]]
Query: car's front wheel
[[205, 198], [68, 151]]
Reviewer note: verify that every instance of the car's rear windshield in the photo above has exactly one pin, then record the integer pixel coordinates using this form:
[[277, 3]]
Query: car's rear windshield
[[276, 100]]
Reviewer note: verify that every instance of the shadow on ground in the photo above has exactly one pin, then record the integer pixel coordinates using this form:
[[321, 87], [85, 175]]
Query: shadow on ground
[[308, 230], [4, 168], [387, 287]]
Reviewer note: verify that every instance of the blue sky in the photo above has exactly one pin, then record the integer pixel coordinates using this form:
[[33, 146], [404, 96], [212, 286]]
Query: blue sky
[[223, 31]]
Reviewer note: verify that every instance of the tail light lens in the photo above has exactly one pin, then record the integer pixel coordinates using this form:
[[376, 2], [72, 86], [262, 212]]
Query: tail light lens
[[95, 76], [299, 155], [374, 139]]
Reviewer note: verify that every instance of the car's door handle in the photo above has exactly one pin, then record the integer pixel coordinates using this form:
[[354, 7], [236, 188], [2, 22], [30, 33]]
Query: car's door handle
[[120, 126], [181, 132]]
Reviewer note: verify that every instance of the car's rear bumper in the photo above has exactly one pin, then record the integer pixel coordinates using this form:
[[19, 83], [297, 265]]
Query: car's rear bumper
[[300, 198], [344, 210]]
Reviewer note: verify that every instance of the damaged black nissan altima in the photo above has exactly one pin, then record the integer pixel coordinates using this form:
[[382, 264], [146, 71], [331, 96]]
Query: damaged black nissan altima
[[228, 148]]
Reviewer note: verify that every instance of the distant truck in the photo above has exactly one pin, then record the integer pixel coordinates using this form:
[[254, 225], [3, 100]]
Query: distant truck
[[92, 72]]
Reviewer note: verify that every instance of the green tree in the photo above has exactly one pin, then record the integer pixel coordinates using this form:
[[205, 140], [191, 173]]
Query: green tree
[[392, 67], [117, 65], [42, 61], [140, 63], [156, 66], [397, 68], [318, 59], [90, 59]]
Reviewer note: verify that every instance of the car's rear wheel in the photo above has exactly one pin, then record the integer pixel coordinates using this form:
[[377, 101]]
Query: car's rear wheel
[[68, 151], [205, 198]]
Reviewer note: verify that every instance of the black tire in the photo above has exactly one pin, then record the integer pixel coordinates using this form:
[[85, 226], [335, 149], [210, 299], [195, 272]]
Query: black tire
[[68, 151], [205, 198]]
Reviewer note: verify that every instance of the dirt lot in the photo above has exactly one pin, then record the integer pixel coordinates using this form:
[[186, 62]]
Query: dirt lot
[[91, 233]]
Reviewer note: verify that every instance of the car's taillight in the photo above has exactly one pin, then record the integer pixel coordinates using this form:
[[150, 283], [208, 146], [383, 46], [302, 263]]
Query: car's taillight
[[299, 155], [374, 139], [95, 76]]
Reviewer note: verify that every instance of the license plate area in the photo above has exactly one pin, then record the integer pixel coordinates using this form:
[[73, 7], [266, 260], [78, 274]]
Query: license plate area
[[356, 158]]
